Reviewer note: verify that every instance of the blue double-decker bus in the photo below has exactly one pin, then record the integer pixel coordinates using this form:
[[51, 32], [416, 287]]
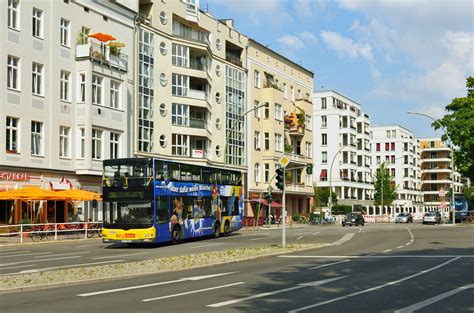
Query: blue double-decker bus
[[156, 200], [461, 207]]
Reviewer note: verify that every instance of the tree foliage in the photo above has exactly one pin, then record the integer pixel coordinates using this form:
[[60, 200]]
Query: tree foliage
[[321, 197], [459, 123], [389, 189]]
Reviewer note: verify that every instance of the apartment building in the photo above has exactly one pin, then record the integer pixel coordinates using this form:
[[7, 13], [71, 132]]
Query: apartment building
[[66, 97], [191, 86], [399, 150], [436, 174], [280, 124], [342, 142]]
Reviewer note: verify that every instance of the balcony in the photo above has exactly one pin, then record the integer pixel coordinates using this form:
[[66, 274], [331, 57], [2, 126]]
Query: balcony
[[197, 123], [197, 94], [233, 58], [271, 84], [101, 54], [198, 154], [186, 32], [294, 124]]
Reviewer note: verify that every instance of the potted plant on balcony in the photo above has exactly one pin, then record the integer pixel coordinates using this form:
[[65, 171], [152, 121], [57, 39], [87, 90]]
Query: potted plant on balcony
[[288, 148], [82, 45], [114, 50]]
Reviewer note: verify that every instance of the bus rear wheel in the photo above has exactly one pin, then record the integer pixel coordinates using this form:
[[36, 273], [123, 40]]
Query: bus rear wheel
[[217, 230], [176, 235], [227, 228]]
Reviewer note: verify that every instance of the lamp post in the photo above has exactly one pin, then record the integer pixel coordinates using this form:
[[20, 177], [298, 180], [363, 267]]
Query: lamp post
[[330, 179], [452, 160]]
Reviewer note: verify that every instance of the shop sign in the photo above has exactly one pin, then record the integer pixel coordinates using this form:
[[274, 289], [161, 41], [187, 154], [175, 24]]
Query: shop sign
[[14, 176], [254, 195], [63, 184]]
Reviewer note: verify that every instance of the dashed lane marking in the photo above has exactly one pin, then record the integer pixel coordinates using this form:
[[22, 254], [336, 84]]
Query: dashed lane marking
[[194, 291], [329, 264]]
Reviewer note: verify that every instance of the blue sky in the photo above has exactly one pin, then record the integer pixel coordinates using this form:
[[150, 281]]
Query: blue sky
[[391, 56]]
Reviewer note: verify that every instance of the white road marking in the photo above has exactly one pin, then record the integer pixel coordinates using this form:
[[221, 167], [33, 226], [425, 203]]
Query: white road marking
[[260, 238], [5, 250], [119, 256], [408, 243], [300, 237], [314, 234], [399, 247], [360, 230], [35, 270], [388, 250], [344, 239], [373, 288], [204, 246], [329, 264], [96, 244], [271, 293], [62, 254], [432, 300], [23, 254], [152, 285], [21, 266], [41, 260], [194, 291], [372, 256]]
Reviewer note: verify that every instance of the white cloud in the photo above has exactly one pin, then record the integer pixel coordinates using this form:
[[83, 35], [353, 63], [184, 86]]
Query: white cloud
[[346, 46], [291, 42], [308, 37]]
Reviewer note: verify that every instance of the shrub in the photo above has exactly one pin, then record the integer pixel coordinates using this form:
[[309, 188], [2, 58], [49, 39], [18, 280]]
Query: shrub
[[341, 209], [295, 217]]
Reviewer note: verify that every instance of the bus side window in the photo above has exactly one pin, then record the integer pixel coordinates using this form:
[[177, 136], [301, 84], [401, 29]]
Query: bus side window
[[162, 216], [225, 178], [174, 170], [206, 176], [159, 173]]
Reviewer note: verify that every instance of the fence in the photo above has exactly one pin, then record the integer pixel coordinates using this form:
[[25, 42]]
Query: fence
[[49, 231]]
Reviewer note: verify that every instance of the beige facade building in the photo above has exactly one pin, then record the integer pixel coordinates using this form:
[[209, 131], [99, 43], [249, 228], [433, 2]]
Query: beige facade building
[[191, 86], [284, 128]]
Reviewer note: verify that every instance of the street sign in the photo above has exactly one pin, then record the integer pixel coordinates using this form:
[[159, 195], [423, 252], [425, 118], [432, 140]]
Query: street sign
[[284, 161]]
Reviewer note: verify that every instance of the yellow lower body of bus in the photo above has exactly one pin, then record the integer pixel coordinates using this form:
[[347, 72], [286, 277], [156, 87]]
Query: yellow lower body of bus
[[129, 235]]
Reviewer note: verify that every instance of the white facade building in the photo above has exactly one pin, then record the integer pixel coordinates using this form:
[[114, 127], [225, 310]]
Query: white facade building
[[400, 151], [341, 134], [66, 97]]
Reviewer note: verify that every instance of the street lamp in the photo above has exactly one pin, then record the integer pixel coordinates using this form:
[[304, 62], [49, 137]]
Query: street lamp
[[330, 180], [452, 159]]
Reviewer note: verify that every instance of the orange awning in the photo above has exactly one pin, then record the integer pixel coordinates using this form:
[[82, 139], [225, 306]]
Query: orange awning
[[117, 44], [78, 195], [28, 193], [102, 37]]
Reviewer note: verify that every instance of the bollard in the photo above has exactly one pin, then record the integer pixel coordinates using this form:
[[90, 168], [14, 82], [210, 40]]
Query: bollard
[[21, 233]]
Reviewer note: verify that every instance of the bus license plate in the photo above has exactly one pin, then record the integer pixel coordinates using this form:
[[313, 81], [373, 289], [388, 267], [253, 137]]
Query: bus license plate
[[125, 241]]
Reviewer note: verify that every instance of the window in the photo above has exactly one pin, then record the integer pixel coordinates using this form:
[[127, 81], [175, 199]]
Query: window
[[37, 78], [278, 142], [324, 121], [392, 146], [180, 55], [393, 159], [298, 147], [96, 144], [300, 95], [97, 89], [37, 23], [378, 160], [13, 64], [257, 172], [387, 159], [114, 145], [394, 134], [36, 138], [115, 94], [388, 134], [82, 143], [266, 112], [324, 157], [256, 79], [12, 144], [324, 139], [377, 146], [387, 146], [266, 172], [278, 112], [13, 17], [308, 150], [285, 91], [82, 88], [180, 85], [64, 87], [64, 36], [64, 150], [308, 122], [256, 140], [180, 115], [292, 93], [180, 145], [393, 172], [323, 103], [266, 141], [256, 111]]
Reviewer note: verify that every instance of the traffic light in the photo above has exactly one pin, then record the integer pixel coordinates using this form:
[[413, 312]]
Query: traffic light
[[269, 198], [280, 180], [309, 169]]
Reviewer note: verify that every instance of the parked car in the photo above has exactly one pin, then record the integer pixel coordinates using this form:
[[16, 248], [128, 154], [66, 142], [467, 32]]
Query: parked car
[[353, 219], [404, 217], [432, 217]]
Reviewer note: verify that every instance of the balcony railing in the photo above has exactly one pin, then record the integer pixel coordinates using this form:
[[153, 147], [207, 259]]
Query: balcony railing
[[197, 123], [196, 64], [197, 94], [233, 58], [271, 84], [101, 53], [186, 32]]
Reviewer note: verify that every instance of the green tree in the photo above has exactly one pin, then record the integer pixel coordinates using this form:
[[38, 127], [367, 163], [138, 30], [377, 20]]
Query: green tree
[[459, 123], [385, 184], [321, 197], [469, 196]]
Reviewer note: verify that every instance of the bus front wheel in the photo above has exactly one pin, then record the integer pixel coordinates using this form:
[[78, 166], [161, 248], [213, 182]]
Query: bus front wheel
[[227, 228], [176, 235]]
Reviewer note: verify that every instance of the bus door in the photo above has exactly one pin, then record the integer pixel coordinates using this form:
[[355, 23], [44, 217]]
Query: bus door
[[162, 218]]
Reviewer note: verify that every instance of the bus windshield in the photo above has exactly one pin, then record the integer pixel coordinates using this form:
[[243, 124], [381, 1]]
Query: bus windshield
[[128, 214]]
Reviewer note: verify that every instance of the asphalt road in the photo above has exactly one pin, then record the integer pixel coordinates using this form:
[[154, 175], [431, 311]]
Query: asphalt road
[[377, 268]]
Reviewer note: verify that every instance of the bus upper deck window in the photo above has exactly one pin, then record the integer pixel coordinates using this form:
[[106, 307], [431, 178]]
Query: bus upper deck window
[[159, 171]]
